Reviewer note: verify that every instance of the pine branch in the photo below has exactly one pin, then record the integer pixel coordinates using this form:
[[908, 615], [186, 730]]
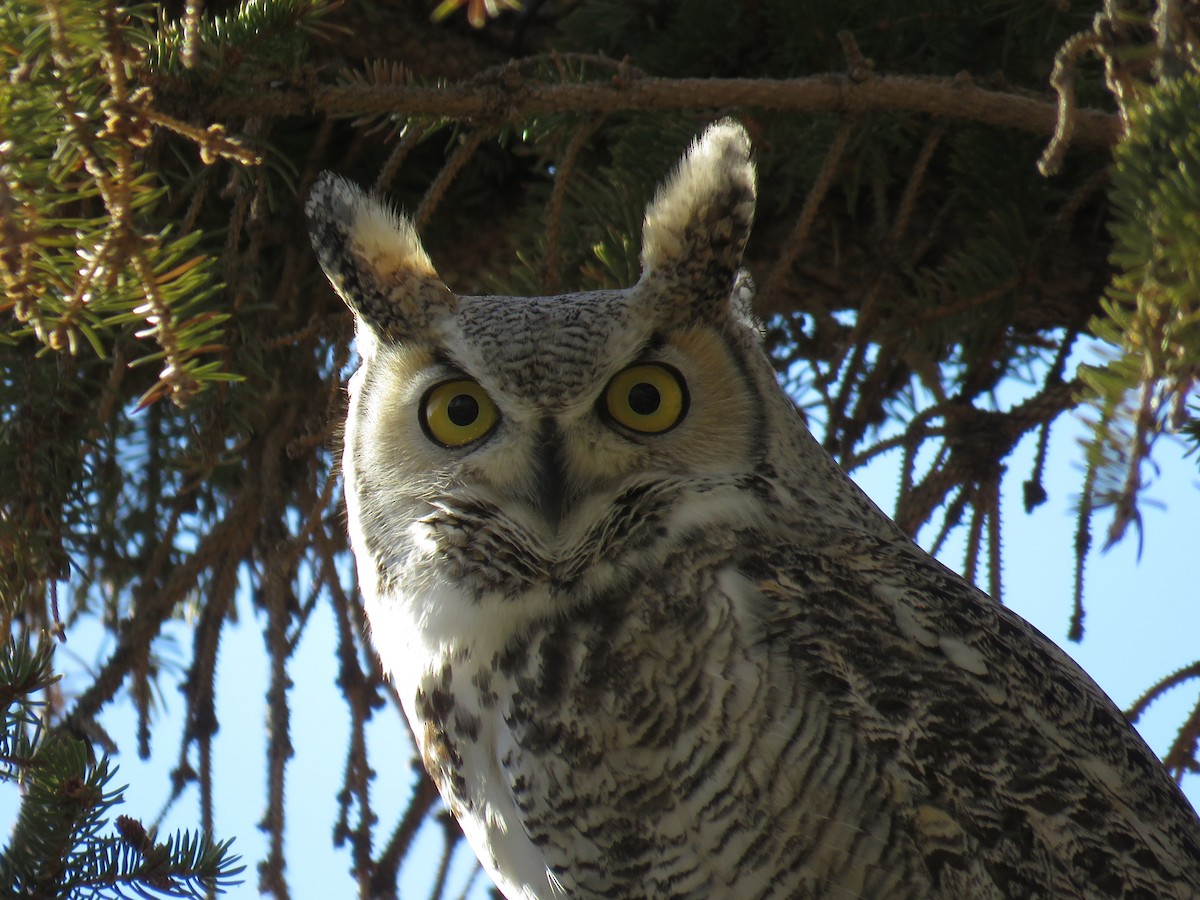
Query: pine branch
[[83, 124], [56, 849], [181, 866], [25, 672], [1152, 308], [506, 95]]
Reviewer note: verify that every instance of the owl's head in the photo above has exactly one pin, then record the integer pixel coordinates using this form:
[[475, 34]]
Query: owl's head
[[548, 409]]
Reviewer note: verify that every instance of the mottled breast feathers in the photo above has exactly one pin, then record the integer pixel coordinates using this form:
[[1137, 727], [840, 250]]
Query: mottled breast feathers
[[652, 642]]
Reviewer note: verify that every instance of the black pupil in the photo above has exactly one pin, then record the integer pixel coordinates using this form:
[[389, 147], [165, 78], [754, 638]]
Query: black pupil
[[644, 398], [462, 410]]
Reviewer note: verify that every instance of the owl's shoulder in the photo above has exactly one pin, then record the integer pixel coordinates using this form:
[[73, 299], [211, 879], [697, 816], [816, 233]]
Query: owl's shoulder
[[1011, 754]]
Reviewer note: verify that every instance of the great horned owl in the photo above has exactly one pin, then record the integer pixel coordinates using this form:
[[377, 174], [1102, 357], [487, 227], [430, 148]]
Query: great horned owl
[[652, 642]]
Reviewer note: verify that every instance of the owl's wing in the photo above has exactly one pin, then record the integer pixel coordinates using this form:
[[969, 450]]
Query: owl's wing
[[1025, 779]]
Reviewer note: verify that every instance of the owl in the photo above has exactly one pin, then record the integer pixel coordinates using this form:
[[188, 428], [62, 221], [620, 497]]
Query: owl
[[653, 642]]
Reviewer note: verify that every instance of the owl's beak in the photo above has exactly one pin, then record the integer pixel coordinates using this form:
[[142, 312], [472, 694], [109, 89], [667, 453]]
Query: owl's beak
[[550, 488]]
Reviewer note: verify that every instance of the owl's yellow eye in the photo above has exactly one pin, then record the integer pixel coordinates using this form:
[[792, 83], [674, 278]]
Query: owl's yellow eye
[[648, 398], [456, 413]]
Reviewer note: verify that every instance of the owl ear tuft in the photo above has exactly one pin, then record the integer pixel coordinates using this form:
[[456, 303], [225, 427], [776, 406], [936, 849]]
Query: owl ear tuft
[[374, 260], [697, 225]]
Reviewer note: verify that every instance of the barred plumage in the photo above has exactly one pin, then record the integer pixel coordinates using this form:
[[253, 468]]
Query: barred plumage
[[652, 642]]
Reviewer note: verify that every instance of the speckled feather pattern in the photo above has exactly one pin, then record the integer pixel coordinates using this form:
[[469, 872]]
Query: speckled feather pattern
[[717, 669]]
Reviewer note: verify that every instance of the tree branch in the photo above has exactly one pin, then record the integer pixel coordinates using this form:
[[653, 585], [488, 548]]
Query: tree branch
[[507, 96]]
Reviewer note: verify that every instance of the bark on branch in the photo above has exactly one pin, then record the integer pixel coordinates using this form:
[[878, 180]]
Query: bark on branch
[[507, 96]]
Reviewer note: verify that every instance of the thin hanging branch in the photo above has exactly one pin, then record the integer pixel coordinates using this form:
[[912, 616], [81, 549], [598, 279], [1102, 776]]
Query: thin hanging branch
[[459, 158], [551, 279], [804, 221]]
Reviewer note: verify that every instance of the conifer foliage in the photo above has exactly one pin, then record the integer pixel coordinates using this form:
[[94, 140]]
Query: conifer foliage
[[172, 362], [58, 847]]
